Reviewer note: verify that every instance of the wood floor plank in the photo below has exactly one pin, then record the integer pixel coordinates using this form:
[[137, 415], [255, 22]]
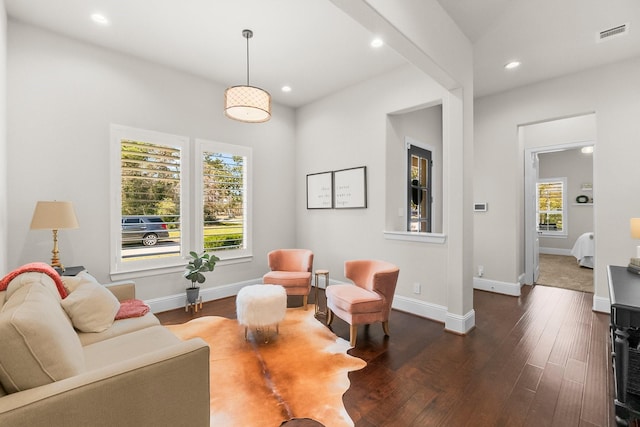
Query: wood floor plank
[[516, 407], [580, 347], [542, 352], [530, 377], [599, 375], [575, 371], [567, 413], [567, 332], [544, 404]]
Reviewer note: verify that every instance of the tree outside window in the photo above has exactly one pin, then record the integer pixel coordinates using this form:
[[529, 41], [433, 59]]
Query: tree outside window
[[551, 203], [223, 201]]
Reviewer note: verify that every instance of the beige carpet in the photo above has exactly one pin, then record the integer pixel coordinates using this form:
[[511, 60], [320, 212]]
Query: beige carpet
[[564, 272], [300, 373]]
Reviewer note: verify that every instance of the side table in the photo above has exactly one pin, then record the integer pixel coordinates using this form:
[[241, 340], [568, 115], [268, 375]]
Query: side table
[[319, 312], [69, 271]]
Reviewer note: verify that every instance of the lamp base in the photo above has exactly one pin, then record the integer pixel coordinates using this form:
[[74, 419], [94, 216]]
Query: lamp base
[[55, 260]]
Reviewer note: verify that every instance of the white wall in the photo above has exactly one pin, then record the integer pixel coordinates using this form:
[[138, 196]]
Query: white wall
[[340, 132], [560, 132], [427, 37], [612, 93], [62, 97], [3, 141]]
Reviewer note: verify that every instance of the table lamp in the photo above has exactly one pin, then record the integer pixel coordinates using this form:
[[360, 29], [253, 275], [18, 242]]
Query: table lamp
[[54, 216], [635, 232]]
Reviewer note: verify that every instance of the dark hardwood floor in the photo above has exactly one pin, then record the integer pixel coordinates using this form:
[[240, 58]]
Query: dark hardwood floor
[[542, 359]]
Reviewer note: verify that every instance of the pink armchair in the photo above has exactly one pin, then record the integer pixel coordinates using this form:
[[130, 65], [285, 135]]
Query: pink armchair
[[369, 300], [291, 268]]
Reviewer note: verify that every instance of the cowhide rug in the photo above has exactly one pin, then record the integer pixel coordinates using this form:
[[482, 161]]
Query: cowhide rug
[[300, 373]]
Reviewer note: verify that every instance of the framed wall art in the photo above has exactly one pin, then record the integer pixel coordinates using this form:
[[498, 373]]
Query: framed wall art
[[350, 188], [320, 190]]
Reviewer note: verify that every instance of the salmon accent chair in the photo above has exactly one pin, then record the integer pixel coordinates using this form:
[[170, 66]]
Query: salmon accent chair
[[369, 300], [291, 269]]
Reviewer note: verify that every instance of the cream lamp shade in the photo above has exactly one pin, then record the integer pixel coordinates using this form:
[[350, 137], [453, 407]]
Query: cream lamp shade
[[54, 216], [635, 232], [247, 103]]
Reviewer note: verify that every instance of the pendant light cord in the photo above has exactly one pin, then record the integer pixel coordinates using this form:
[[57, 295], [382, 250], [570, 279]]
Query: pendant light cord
[[247, 37]]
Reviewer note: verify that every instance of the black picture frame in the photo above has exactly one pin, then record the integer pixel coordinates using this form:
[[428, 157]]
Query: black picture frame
[[350, 188]]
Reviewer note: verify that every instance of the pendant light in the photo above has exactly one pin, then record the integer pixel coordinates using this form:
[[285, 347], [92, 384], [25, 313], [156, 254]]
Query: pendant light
[[247, 103]]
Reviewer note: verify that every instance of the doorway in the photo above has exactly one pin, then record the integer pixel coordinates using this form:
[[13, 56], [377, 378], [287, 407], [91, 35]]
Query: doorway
[[554, 226]]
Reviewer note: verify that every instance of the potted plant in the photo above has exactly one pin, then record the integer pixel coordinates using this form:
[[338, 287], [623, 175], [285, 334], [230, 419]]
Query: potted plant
[[197, 265]]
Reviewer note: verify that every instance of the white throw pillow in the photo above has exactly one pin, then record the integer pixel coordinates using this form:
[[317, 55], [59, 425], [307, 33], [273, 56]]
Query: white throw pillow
[[72, 282], [90, 306], [39, 345]]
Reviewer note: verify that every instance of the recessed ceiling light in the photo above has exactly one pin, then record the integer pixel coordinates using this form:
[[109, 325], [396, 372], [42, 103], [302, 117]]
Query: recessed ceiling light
[[286, 88], [376, 42], [587, 150], [99, 18], [511, 65]]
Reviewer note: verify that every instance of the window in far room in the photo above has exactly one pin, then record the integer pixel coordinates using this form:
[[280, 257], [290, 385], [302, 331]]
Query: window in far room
[[222, 191], [551, 206], [419, 188]]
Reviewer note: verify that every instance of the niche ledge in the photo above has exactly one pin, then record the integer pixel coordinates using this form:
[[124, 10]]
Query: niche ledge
[[407, 236]]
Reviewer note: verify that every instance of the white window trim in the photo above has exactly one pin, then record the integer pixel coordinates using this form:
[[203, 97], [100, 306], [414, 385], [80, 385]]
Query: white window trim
[[226, 256], [118, 268], [565, 212]]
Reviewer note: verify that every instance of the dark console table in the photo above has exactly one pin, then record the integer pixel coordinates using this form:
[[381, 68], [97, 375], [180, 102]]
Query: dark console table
[[624, 291]]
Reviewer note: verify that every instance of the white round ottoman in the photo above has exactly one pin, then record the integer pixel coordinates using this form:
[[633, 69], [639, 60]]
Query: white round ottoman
[[261, 306]]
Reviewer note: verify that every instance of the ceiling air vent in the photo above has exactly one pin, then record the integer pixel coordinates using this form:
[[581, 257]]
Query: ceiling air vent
[[613, 32]]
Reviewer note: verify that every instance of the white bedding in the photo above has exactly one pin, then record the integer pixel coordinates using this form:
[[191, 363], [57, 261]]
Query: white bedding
[[584, 250]]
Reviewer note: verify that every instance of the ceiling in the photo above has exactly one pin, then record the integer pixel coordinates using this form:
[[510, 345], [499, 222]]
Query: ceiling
[[550, 37], [316, 49]]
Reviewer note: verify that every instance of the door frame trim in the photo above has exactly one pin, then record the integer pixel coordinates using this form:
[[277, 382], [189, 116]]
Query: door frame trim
[[530, 175]]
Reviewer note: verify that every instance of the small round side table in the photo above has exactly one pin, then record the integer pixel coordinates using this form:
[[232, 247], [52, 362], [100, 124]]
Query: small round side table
[[319, 312]]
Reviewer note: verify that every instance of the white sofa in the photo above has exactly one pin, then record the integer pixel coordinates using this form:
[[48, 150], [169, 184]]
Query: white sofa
[[133, 373]]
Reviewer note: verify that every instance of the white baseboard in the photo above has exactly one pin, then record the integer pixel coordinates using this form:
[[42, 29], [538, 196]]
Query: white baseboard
[[460, 324], [521, 279], [555, 251], [438, 313], [601, 305], [208, 294], [506, 288], [420, 308]]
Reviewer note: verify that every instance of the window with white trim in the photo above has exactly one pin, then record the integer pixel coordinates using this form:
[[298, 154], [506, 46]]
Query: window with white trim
[[223, 195], [158, 216], [147, 217], [551, 203]]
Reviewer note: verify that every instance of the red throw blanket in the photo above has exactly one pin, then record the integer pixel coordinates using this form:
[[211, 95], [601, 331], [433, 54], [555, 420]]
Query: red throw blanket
[[132, 308], [38, 267]]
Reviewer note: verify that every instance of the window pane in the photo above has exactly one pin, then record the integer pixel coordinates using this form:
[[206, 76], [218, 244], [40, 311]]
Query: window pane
[[550, 205], [150, 197], [419, 190], [224, 201]]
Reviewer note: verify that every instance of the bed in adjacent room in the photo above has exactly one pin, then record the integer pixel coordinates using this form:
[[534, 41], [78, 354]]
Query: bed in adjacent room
[[584, 250]]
